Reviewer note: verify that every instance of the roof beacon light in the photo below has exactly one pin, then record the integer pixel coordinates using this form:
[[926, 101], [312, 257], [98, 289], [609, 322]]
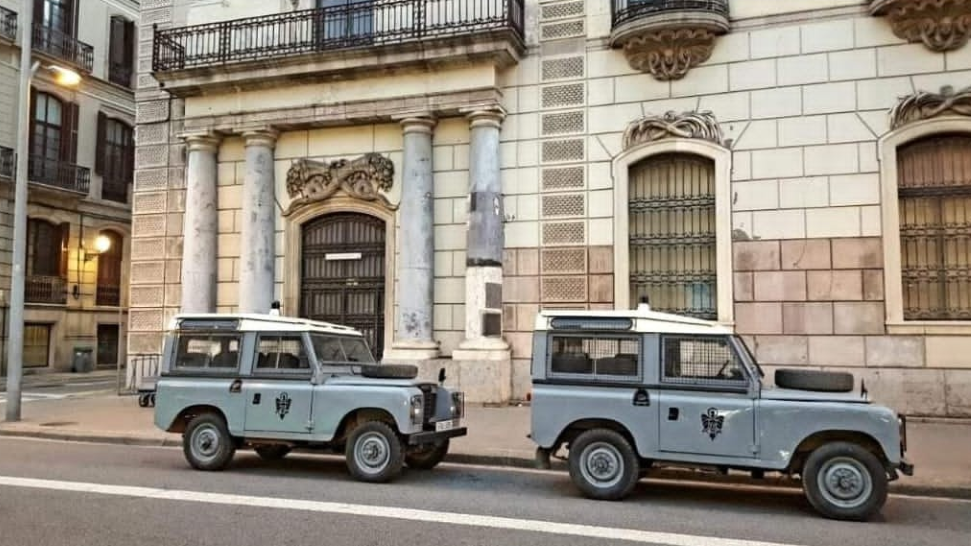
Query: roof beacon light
[[275, 309], [644, 304]]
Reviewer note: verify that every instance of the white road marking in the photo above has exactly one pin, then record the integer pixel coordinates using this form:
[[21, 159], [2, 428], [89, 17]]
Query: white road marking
[[425, 516]]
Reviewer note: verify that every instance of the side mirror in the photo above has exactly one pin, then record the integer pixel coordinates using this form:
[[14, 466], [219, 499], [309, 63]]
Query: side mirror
[[441, 375]]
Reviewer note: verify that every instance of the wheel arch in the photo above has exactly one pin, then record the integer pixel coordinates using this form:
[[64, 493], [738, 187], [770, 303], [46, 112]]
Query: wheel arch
[[579, 426], [357, 416], [182, 419], [823, 437]]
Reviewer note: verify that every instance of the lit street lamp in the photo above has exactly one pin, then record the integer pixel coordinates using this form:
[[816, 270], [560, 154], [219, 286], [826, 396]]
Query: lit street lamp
[[15, 345]]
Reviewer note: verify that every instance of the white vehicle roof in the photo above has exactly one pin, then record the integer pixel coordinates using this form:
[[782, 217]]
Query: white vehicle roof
[[261, 323], [642, 320]]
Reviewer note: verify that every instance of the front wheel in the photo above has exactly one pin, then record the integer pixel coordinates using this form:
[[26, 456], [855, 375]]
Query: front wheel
[[374, 452], [603, 465], [845, 481], [428, 457], [207, 444]]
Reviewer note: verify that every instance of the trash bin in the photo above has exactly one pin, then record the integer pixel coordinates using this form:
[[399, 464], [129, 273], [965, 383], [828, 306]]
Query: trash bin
[[82, 362]]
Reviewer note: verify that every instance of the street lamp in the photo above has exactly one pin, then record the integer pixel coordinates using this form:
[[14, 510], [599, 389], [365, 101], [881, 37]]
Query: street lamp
[[15, 345]]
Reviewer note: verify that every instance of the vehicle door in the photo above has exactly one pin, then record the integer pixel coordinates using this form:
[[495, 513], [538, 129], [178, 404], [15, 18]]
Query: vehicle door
[[279, 395], [707, 399], [208, 365]]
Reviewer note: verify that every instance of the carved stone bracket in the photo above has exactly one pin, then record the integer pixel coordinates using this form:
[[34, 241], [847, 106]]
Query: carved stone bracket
[[924, 105], [669, 54], [694, 125], [364, 178], [942, 25]]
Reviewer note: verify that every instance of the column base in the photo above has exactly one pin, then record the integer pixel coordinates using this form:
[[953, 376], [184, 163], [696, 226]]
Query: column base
[[482, 348], [411, 350]]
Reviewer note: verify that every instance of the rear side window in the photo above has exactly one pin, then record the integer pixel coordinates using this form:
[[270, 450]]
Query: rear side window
[[592, 357], [281, 354], [701, 360], [207, 351]]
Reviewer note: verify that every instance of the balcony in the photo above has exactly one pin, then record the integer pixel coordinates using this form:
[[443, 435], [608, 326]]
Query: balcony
[[8, 163], [58, 174], [64, 47], [8, 25], [45, 289], [667, 38], [120, 74], [941, 25], [381, 34], [108, 295]]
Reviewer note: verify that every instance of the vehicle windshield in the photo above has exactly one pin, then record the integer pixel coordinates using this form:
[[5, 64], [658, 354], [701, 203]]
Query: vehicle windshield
[[340, 349], [751, 355]]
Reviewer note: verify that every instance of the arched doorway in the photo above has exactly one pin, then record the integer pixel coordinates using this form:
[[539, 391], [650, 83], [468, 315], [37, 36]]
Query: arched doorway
[[342, 273]]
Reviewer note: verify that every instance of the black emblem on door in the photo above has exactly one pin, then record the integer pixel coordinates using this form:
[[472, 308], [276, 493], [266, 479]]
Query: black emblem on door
[[283, 405], [711, 423]]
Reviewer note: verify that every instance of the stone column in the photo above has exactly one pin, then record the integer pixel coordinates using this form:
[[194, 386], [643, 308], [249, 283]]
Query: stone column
[[416, 275], [486, 241], [201, 226], [258, 249]]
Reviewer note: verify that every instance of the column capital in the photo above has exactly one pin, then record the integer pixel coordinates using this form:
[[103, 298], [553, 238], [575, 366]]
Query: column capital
[[265, 137], [491, 116], [202, 142], [417, 122]]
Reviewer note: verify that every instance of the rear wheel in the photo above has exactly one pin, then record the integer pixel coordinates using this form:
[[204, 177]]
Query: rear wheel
[[374, 452], [428, 457], [845, 481], [603, 465], [207, 444]]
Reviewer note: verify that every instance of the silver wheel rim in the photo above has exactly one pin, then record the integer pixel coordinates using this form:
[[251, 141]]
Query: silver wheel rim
[[372, 452], [601, 465], [845, 482], [205, 442]]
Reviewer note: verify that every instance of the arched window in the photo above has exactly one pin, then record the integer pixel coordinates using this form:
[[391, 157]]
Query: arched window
[[109, 271], [47, 252], [114, 158], [934, 196], [671, 234], [53, 142]]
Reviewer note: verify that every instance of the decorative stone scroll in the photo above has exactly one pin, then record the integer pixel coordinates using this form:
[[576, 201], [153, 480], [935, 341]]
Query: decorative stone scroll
[[669, 54], [694, 125], [924, 105], [363, 178], [941, 25]]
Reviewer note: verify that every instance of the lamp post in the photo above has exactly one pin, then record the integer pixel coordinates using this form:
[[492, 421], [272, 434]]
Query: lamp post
[[15, 343]]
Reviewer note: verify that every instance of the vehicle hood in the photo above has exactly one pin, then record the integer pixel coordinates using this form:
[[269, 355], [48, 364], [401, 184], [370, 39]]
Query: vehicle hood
[[852, 397], [373, 381]]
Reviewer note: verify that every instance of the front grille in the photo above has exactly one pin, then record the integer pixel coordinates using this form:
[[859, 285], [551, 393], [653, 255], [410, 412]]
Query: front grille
[[430, 397]]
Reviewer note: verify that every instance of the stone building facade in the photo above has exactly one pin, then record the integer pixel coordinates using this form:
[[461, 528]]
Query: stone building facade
[[80, 175], [435, 175]]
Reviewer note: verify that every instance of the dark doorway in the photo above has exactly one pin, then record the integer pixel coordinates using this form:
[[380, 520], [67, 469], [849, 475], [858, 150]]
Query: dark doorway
[[108, 345]]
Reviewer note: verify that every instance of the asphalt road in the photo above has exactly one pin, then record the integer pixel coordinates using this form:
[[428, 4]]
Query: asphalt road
[[71, 493]]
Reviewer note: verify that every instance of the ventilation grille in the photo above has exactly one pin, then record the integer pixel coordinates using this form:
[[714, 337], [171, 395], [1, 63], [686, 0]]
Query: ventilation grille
[[571, 204], [562, 68], [564, 288], [567, 29], [564, 233], [562, 178], [556, 151], [562, 123], [560, 10], [558, 96], [564, 261]]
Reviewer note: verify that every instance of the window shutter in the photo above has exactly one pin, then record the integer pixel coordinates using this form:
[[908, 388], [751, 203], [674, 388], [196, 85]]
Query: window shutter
[[73, 112], [129, 59], [129, 175], [99, 146], [32, 129], [65, 240], [39, 12]]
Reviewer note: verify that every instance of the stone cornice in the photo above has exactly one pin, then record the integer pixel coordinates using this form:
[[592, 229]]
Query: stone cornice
[[941, 25], [690, 125], [924, 105]]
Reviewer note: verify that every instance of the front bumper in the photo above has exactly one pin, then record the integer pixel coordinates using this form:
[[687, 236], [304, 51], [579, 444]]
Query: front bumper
[[431, 437], [906, 467]]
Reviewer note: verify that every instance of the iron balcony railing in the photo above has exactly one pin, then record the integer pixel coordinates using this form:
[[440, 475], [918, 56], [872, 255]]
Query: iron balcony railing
[[108, 295], [63, 46], [358, 24], [627, 10], [8, 162], [59, 174], [45, 289], [8, 24]]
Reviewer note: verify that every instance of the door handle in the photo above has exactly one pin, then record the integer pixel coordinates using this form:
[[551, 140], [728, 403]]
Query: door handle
[[256, 399], [673, 414], [236, 386]]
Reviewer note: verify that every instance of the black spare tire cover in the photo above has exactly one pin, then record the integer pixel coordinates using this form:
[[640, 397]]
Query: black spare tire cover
[[389, 371], [813, 380]]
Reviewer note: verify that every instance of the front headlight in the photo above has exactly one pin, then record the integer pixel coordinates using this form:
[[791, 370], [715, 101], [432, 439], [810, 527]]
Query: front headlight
[[417, 404], [458, 405]]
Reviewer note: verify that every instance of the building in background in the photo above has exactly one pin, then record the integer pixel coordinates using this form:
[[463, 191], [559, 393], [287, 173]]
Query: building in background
[[435, 171], [80, 175]]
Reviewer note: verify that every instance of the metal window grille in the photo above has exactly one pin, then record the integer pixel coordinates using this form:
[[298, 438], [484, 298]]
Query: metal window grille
[[595, 356], [934, 192], [672, 234], [700, 361]]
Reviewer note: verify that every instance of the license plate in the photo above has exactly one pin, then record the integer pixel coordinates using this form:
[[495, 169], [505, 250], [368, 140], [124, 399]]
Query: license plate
[[446, 425]]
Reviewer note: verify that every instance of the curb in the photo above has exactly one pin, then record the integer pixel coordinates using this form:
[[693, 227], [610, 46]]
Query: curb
[[688, 477]]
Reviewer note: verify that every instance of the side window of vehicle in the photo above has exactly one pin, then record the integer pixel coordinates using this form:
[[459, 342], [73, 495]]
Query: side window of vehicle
[[281, 353], [204, 351], [701, 360], [595, 357]]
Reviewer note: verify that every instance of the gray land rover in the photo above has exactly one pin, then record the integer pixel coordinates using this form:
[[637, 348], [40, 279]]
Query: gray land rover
[[274, 383], [628, 391]]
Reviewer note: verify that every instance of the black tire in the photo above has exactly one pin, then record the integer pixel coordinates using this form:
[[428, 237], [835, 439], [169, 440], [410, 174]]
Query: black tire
[[860, 496], [429, 457], [272, 452], [604, 452], [374, 452], [812, 380], [207, 444], [389, 371]]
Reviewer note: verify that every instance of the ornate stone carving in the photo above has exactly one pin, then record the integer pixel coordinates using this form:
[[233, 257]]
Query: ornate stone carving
[[364, 178], [925, 105], [669, 54], [942, 25], [695, 125]]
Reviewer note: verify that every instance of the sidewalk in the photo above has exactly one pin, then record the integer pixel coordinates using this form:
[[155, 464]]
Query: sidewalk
[[497, 436], [46, 380]]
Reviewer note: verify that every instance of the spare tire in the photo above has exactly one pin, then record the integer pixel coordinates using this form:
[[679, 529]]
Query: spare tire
[[389, 371], [812, 380]]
